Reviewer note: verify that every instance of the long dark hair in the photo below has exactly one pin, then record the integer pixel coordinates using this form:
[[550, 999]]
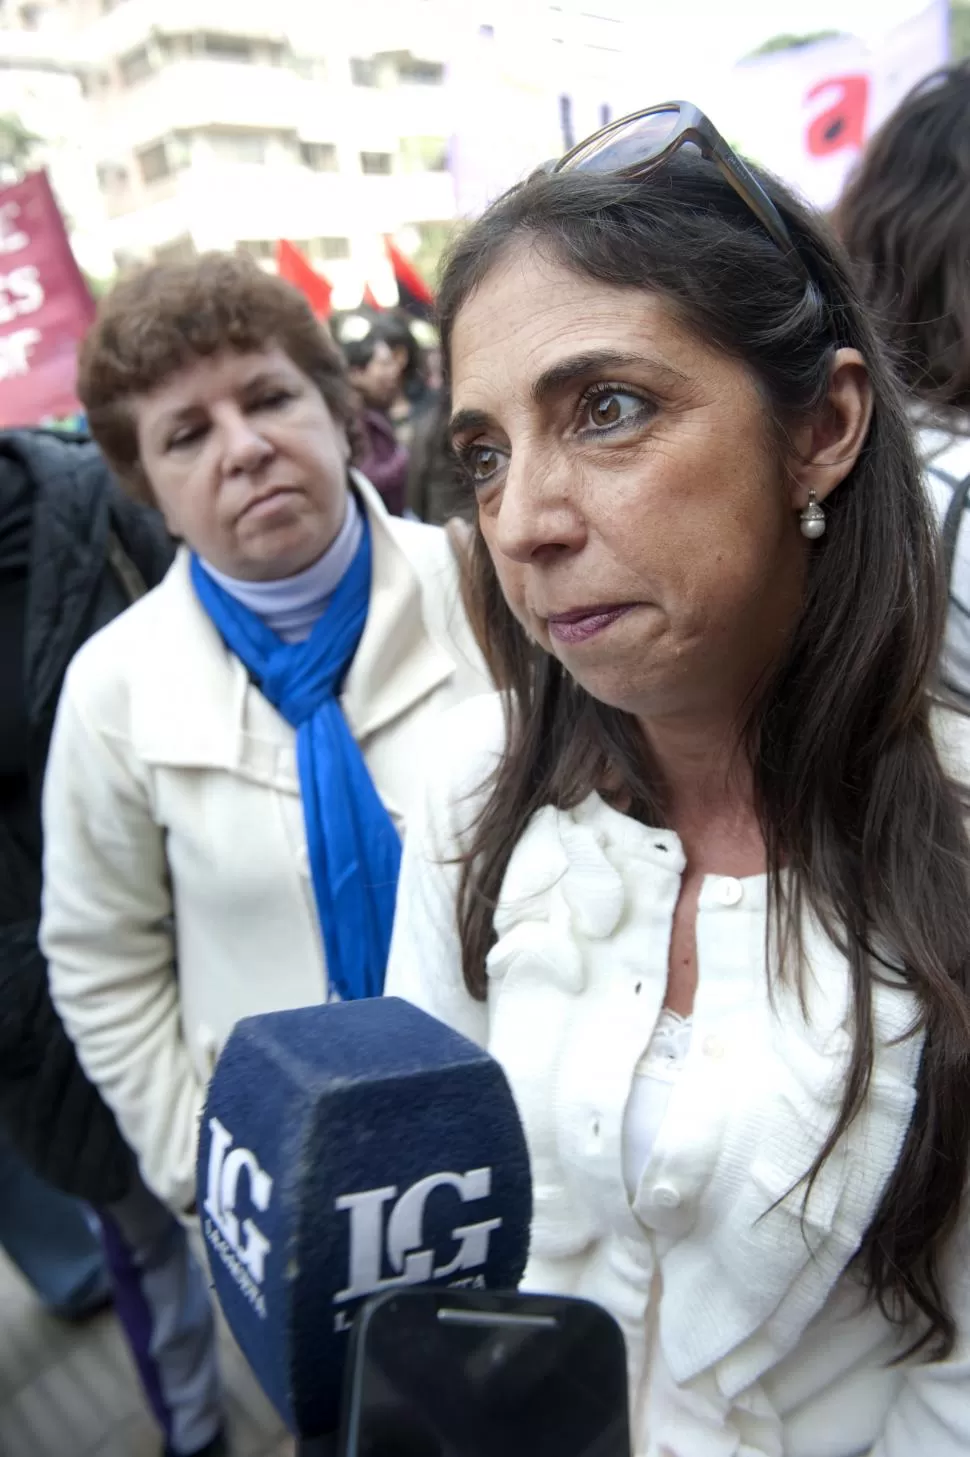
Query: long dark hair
[[850, 792], [905, 221]]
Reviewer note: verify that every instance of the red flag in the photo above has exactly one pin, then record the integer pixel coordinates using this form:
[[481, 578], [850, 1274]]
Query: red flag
[[292, 266], [45, 306], [369, 301], [414, 295]]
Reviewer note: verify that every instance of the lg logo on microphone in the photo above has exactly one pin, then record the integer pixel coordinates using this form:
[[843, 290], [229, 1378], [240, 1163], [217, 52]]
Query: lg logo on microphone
[[383, 1226], [242, 1249], [403, 1236]]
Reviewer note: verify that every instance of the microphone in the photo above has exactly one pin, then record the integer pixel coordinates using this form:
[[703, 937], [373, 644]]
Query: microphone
[[346, 1150]]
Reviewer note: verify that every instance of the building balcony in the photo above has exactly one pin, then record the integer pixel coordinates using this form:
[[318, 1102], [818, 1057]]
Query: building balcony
[[198, 93], [219, 204]]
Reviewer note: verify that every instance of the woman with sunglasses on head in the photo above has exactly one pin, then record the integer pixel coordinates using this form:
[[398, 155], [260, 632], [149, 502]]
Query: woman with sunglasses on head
[[701, 881]]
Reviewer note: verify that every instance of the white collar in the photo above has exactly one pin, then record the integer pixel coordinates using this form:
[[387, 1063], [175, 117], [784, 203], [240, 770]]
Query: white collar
[[291, 606]]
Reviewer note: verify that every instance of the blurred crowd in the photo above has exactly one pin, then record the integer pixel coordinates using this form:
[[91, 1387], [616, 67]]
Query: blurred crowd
[[404, 412]]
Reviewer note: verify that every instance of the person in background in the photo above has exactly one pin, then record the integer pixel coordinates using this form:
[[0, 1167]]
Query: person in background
[[435, 490], [250, 732], [74, 554], [375, 375], [700, 877], [415, 397], [905, 220]]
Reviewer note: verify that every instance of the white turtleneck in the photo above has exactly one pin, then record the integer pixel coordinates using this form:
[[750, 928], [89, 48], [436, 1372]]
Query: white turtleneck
[[292, 606]]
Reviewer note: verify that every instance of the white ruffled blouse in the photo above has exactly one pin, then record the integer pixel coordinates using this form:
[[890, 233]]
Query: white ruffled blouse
[[653, 1081], [744, 1336]]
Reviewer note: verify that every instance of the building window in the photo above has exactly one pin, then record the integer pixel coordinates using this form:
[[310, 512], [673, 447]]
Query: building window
[[137, 65], [231, 144], [164, 157], [363, 71], [179, 250], [94, 82], [311, 68], [237, 48], [328, 250], [424, 154], [412, 72], [178, 47], [319, 156], [376, 164], [259, 248], [322, 250], [154, 162], [112, 177]]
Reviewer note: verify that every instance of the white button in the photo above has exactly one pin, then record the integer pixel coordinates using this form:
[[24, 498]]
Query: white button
[[713, 1047], [729, 891], [665, 1196]]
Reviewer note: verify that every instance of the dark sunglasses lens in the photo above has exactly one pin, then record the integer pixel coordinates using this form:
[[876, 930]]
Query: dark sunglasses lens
[[628, 145]]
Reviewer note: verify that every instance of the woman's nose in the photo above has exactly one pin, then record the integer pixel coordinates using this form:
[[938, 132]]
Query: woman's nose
[[244, 449], [537, 513]]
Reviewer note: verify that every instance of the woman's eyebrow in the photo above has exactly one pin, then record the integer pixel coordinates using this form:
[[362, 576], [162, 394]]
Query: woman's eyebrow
[[577, 366], [467, 420], [566, 372]]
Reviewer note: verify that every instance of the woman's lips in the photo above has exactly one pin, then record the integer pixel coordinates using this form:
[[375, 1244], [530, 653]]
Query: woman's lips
[[577, 627], [266, 504]]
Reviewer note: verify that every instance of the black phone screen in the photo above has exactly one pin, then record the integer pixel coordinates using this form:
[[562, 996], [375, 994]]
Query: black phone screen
[[522, 1377]]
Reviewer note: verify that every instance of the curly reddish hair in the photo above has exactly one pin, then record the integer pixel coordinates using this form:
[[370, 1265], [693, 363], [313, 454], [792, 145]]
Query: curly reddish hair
[[167, 315]]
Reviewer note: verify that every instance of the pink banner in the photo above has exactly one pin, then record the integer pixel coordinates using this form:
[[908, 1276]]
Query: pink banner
[[45, 306]]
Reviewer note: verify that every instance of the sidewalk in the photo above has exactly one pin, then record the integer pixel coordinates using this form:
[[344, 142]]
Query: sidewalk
[[69, 1391]]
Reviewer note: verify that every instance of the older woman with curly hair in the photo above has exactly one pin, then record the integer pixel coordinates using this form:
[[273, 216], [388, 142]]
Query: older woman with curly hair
[[232, 761]]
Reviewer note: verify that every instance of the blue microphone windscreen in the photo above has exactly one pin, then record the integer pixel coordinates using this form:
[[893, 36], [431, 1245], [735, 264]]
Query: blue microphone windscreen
[[347, 1149]]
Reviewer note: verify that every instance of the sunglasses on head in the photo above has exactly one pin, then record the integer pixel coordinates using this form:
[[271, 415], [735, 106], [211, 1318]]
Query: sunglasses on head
[[636, 145]]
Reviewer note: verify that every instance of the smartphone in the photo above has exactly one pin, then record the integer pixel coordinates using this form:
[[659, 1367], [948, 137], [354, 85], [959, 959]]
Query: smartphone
[[466, 1373]]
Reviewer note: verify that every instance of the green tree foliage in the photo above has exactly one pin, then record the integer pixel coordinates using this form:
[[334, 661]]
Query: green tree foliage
[[17, 146], [793, 42], [959, 30], [436, 238]]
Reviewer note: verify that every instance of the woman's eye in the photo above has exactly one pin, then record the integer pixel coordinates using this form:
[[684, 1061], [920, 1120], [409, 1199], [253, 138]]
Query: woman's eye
[[480, 462], [613, 407], [184, 438], [273, 401]]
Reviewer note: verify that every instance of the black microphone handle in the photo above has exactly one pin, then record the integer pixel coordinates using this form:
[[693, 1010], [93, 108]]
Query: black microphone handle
[[316, 1446]]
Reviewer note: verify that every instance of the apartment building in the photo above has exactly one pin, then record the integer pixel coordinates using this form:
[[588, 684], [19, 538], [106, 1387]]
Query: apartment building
[[222, 125], [41, 99], [197, 124]]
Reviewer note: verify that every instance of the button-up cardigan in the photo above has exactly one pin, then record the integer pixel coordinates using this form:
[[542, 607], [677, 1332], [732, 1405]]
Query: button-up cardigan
[[746, 1336]]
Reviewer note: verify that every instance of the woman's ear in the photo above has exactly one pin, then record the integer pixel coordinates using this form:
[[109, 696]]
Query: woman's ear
[[825, 449]]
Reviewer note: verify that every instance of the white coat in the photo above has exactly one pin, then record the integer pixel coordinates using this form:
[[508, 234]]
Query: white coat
[[177, 894], [745, 1336]]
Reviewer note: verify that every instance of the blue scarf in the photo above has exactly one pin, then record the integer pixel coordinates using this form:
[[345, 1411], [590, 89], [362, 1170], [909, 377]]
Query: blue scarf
[[355, 851]]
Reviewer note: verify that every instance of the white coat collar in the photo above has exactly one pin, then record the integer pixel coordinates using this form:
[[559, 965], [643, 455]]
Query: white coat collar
[[193, 707]]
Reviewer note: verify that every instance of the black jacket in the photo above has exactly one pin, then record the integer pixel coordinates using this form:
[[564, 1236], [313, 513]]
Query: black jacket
[[74, 552]]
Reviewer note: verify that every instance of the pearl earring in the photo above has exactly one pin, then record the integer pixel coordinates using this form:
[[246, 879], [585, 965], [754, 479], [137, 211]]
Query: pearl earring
[[812, 519]]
